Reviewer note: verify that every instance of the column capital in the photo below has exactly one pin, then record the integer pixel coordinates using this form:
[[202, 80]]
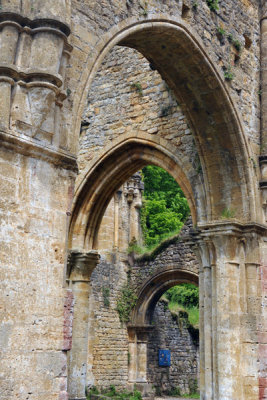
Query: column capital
[[227, 239], [229, 228], [81, 265], [139, 332]]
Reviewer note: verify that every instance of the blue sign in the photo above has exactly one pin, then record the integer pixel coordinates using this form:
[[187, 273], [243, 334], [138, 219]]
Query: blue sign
[[164, 358]]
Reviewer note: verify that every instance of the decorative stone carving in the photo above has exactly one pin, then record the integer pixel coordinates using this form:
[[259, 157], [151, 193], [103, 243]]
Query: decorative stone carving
[[34, 54]]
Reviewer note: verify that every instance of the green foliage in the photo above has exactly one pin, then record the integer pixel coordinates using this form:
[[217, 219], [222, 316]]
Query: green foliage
[[230, 37], [151, 255], [125, 303], [185, 294], [138, 87], [213, 5], [89, 393], [228, 213], [193, 387], [145, 9], [134, 247], [236, 44], [112, 393], [220, 31], [165, 111], [228, 74], [106, 293], [191, 396], [174, 391], [195, 5], [165, 206]]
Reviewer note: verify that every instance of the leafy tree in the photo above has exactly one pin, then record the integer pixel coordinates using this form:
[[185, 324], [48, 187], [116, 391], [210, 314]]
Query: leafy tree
[[185, 294], [165, 206]]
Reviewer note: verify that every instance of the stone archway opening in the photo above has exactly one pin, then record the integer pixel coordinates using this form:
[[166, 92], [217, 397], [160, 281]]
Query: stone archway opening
[[153, 328], [221, 148], [173, 345], [120, 224]]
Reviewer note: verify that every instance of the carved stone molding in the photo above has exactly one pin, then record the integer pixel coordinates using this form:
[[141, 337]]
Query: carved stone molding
[[28, 147], [139, 333], [31, 83], [81, 265]]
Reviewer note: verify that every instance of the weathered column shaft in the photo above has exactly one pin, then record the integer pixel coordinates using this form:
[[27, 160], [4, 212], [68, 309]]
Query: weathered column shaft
[[230, 311], [264, 84], [208, 332], [263, 156], [81, 266], [132, 362], [201, 333], [142, 361]]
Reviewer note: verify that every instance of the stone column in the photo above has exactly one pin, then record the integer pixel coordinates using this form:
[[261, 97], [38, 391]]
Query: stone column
[[138, 337], [132, 356], [117, 199], [133, 191], [205, 254], [263, 156], [229, 296], [81, 266]]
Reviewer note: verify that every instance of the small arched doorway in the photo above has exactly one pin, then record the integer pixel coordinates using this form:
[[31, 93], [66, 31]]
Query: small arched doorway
[[142, 332]]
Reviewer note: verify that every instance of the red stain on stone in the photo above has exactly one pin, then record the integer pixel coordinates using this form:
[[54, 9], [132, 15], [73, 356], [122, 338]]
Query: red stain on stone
[[63, 396], [262, 336], [68, 319]]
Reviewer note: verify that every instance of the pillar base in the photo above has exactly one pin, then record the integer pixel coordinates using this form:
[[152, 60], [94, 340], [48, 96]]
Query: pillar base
[[78, 398], [144, 388]]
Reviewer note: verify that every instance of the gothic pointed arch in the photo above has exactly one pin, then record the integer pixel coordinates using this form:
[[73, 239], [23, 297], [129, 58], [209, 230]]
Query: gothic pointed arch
[[179, 56]]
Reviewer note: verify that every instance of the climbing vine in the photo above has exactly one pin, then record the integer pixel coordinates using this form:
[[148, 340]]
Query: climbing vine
[[126, 302], [213, 5]]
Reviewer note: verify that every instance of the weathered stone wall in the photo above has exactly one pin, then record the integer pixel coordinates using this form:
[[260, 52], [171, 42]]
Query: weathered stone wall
[[129, 96], [239, 18], [177, 253], [170, 332], [108, 362], [35, 317]]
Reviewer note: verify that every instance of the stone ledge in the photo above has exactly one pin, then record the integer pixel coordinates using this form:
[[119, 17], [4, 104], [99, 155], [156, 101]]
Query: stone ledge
[[35, 23], [30, 147]]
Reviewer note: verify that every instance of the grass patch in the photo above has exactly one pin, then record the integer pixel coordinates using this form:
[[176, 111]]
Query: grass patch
[[111, 392], [150, 253], [193, 312]]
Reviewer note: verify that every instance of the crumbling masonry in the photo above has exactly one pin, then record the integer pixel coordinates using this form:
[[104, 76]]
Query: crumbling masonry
[[215, 65]]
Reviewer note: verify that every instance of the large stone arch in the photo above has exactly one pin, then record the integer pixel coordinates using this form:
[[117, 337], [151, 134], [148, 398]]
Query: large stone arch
[[179, 55], [176, 52], [106, 174]]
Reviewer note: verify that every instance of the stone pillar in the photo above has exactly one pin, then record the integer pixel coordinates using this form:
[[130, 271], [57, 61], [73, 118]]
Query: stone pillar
[[230, 311], [263, 156], [133, 191], [81, 266], [206, 257], [38, 178], [117, 199], [138, 337], [132, 356]]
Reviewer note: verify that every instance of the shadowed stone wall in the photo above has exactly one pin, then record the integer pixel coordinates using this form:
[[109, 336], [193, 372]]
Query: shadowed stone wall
[[170, 332]]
